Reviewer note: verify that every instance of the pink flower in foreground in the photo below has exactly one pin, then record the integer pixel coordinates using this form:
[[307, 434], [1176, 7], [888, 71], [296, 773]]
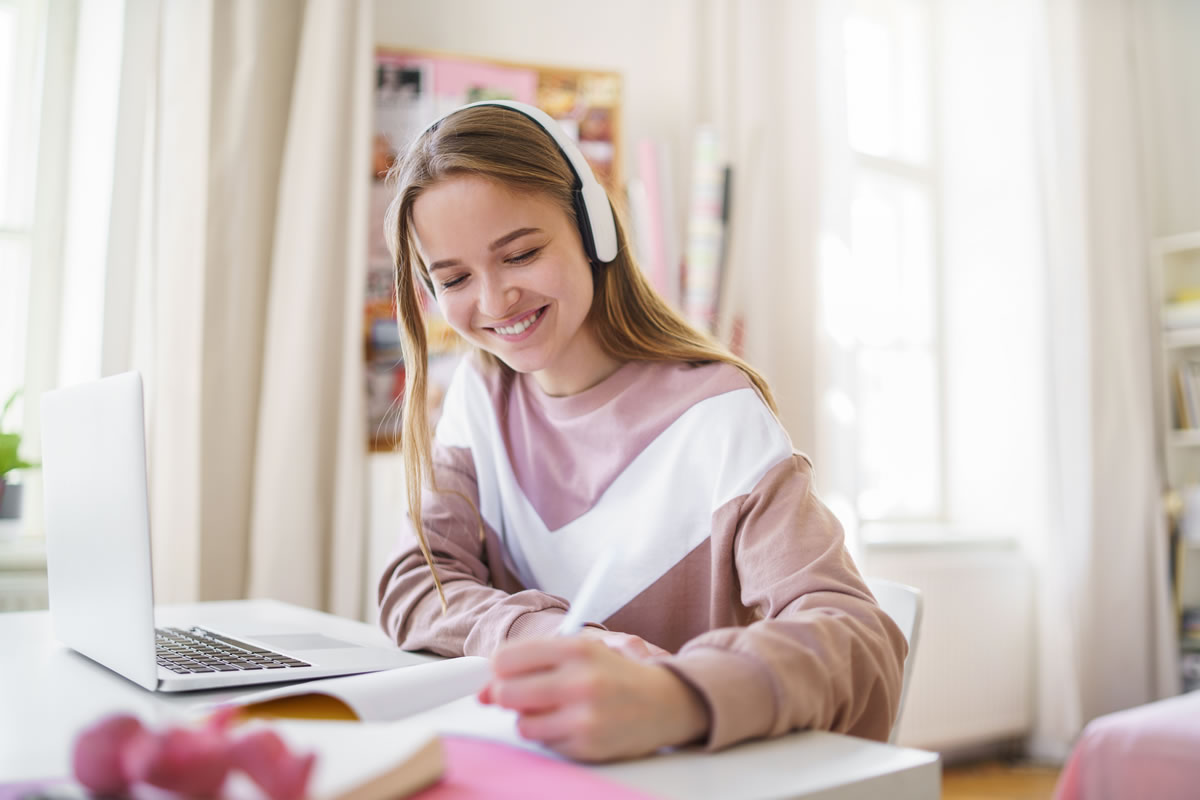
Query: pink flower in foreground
[[97, 757], [117, 752], [265, 758], [191, 762]]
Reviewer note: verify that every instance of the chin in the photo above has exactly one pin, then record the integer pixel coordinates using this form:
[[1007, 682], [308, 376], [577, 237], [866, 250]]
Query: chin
[[520, 363], [524, 367]]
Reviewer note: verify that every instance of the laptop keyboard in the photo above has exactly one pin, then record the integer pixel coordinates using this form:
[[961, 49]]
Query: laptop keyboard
[[199, 650]]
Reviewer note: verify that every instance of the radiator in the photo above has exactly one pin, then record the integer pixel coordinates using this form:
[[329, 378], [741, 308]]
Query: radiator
[[972, 680]]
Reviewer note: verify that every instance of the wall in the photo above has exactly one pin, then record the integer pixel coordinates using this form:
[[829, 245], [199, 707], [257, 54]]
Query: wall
[[652, 45]]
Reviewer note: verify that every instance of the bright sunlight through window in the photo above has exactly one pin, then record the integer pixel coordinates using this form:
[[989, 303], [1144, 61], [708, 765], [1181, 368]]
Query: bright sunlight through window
[[17, 160], [894, 273]]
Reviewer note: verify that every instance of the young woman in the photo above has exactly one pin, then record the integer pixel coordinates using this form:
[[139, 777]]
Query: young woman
[[593, 428]]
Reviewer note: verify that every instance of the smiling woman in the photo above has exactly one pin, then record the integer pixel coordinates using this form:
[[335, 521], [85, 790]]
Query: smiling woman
[[595, 426], [510, 274]]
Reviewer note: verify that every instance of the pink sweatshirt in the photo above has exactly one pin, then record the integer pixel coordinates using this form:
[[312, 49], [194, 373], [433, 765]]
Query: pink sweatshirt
[[724, 554]]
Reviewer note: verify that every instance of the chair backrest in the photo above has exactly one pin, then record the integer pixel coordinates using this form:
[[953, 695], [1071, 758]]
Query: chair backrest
[[903, 604]]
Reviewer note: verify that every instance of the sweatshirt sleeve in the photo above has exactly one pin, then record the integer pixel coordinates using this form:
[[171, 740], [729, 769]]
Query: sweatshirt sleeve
[[822, 654], [480, 614]]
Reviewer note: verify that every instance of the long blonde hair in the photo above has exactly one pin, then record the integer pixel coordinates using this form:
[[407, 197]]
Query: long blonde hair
[[629, 319]]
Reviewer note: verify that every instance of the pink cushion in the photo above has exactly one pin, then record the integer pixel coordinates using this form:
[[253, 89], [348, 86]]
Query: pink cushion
[[1150, 751]]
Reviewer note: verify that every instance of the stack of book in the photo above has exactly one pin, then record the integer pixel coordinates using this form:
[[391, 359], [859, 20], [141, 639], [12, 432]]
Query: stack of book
[[652, 207], [1189, 648], [688, 277], [708, 217], [1182, 312], [1187, 394]]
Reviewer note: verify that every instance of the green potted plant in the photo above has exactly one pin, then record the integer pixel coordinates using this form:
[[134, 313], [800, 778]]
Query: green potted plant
[[10, 460]]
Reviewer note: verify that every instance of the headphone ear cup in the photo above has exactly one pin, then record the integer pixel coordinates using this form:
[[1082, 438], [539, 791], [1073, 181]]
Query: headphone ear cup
[[585, 226], [601, 224]]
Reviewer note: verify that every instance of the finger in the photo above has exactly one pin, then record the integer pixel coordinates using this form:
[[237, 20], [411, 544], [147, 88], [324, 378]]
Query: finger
[[580, 747], [632, 645], [639, 649], [485, 695], [632, 649], [533, 655], [654, 650], [552, 728], [536, 692]]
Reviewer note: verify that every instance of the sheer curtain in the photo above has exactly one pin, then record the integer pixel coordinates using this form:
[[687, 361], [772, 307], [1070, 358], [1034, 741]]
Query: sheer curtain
[[233, 280], [756, 81], [1105, 639]]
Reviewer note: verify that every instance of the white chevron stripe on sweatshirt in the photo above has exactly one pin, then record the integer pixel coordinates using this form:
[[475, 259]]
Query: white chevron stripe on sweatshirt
[[657, 510]]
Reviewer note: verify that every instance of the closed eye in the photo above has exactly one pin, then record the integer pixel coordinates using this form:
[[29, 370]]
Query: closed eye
[[450, 284], [523, 258]]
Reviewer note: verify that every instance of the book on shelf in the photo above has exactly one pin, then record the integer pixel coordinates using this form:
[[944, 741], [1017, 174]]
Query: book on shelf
[[1186, 389], [1181, 314], [1189, 627], [1182, 420], [707, 218], [652, 208], [1189, 669]]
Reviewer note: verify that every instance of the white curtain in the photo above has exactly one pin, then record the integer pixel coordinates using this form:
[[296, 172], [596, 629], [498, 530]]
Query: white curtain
[[1105, 639], [234, 281], [756, 81]]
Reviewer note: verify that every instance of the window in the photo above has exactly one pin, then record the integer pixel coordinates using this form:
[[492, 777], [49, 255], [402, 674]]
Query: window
[[894, 269], [19, 94], [930, 283]]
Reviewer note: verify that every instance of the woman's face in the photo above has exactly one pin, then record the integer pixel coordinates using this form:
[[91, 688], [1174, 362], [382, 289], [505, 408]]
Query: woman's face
[[511, 277]]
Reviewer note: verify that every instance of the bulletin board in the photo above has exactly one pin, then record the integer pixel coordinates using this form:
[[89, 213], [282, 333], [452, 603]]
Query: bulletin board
[[412, 89]]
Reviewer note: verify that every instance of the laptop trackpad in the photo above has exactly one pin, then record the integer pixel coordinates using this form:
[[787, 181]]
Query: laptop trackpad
[[300, 641]]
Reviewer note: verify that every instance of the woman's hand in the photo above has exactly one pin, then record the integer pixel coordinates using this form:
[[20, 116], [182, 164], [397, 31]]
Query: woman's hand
[[586, 700], [627, 643]]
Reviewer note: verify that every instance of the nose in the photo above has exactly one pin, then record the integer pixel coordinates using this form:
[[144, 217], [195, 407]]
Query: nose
[[497, 298]]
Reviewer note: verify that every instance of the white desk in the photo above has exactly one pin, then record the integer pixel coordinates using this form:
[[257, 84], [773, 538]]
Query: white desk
[[48, 692]]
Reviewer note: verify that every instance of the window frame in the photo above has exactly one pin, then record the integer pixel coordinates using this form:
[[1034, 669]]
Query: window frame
[[54, 28], [926, 178]]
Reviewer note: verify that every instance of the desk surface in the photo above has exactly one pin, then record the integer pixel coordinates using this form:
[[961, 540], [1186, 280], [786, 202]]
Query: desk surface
[[47, 692]]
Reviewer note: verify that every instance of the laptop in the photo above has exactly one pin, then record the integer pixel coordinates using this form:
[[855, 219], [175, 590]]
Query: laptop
[[98, 562]]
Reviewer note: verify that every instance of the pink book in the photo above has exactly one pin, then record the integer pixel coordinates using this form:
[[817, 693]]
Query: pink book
[[648, 169], [478, 768]]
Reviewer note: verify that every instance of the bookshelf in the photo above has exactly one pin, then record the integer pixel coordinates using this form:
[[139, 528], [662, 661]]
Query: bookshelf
[[1176, 262]]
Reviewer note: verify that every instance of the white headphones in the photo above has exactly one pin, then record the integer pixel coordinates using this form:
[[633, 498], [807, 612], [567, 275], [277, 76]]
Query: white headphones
[[597, 226]]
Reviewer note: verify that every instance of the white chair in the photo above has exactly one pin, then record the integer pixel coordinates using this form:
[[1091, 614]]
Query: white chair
[[903, 604]]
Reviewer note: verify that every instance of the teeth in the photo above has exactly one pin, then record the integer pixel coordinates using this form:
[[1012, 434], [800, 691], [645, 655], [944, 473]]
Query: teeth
[[520, 327]]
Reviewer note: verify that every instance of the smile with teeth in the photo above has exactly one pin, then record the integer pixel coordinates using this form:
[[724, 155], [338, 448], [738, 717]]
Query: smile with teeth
[[520, 327]]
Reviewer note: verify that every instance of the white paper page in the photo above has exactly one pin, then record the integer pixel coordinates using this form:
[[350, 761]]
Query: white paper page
[[393, 694], [466, 716]]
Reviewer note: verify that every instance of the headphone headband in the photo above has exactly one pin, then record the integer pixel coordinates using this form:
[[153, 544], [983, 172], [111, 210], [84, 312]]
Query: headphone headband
[[597, 226]]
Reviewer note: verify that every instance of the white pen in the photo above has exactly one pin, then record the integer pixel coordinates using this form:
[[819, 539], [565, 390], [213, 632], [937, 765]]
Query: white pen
[[581, 605]]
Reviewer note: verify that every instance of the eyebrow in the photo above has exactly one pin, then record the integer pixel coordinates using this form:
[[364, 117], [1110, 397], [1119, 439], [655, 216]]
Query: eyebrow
[[496, 245]]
